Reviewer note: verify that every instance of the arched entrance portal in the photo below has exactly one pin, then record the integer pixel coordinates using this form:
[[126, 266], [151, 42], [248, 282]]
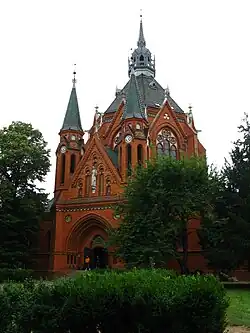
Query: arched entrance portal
[[100, 257], [88, 240], [97, 255]]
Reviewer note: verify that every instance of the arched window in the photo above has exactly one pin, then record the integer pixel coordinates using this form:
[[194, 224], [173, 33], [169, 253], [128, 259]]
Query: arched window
[[87, 183], [62, 168], [173, 152], [101, 183], [72, 163], [139, 154], [129, 159], [141, 58], [166, 143]]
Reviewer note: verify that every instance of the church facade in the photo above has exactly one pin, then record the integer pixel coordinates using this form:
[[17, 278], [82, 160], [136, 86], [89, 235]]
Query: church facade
[[142, 121]]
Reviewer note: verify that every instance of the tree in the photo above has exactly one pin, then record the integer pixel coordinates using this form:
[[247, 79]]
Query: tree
[[225, 238], [159, 203], [24, 161]]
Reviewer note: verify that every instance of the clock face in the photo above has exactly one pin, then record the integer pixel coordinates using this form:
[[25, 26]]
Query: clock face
[[63, 149], [73, 137], [128, 138]]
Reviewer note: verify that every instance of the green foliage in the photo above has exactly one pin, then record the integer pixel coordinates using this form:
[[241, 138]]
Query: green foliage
[[17, 275], [159, 202], [135, 301], [24, 160], [225, 237]]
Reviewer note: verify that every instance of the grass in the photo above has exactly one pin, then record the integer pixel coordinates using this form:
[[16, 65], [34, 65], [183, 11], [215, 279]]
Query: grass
[[239, 309]]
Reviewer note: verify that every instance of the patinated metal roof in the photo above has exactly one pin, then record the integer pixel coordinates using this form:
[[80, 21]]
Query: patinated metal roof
[[72, 120], [151, 94]]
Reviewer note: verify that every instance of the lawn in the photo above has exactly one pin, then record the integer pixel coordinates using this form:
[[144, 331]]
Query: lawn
[[239, 309]]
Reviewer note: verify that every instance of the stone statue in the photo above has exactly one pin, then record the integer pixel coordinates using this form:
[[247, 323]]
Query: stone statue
[[108, 187], [93, 179]]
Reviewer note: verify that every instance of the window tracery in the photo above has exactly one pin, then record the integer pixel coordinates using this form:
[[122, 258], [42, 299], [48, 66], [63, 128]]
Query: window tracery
[[166, 143]]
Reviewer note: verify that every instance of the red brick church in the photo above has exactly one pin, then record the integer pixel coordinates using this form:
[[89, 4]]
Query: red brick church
[[143, 120]]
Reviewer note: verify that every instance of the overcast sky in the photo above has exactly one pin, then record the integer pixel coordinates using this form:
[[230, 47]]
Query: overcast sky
[[201, 47]]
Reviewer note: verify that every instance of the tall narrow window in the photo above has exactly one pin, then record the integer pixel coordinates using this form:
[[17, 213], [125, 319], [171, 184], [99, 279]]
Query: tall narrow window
[[129, 159], [87, 183], [147, 152], [173, 152], [62, 168], [139, 154], [101, 184], [72, 163]]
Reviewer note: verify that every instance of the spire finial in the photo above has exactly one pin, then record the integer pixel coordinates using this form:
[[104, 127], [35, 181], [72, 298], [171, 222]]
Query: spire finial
[[190, 108], [141, 41], [74, 76]]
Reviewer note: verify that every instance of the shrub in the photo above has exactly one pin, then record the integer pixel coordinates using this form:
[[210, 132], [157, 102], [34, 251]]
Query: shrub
[[136, 301], [17, 275]]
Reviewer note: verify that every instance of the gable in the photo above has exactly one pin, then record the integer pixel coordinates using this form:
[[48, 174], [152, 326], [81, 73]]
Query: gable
[[166, 117], [103, 159]]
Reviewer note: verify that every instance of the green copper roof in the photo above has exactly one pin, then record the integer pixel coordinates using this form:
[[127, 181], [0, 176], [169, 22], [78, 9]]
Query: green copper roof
[[133, 107], [151, 93], [113, 155], [72, 118]]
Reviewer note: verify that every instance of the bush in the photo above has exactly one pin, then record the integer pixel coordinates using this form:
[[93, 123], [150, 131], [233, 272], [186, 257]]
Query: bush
[[136, 301], [17, 275]]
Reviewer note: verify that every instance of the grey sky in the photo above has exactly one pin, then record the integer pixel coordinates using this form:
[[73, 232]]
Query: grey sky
[[201, 47]]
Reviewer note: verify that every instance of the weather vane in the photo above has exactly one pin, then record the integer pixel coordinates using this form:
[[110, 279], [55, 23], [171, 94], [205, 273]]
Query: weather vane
[[74, 78]]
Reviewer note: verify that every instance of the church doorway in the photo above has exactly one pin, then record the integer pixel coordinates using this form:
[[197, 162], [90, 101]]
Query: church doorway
[[96, 257], [100, 257]]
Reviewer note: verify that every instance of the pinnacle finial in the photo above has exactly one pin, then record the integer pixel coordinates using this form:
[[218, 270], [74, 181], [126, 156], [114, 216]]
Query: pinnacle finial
[[74, 76], [190, 108], [141, 41], [167, 91]]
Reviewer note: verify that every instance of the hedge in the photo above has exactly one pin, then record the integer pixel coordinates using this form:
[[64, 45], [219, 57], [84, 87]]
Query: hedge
[[17, 275], [136, 301]]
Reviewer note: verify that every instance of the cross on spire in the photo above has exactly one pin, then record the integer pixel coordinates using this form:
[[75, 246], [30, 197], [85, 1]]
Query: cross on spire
[[74, 76], [141, 41]]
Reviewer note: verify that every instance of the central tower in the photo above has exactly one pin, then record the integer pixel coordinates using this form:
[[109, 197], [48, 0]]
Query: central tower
[[141, 60]]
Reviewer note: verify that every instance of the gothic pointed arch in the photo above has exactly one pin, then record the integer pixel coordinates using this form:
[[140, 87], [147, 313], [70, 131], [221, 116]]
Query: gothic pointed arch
[[81, 231], [167, 143]]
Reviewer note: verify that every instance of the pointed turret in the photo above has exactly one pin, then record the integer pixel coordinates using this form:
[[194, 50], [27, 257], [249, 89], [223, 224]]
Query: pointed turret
[[141, 41], [133, 107], [72, 119], [141, 60]]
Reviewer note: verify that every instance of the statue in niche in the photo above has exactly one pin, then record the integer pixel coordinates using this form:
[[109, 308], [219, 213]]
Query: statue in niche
[[94, 178], [79, 186], [108, 186]]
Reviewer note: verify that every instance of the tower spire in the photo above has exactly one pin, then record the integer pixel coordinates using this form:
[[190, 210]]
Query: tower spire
[[141, 60], [72, 119], [74, 76], [141, 41]]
